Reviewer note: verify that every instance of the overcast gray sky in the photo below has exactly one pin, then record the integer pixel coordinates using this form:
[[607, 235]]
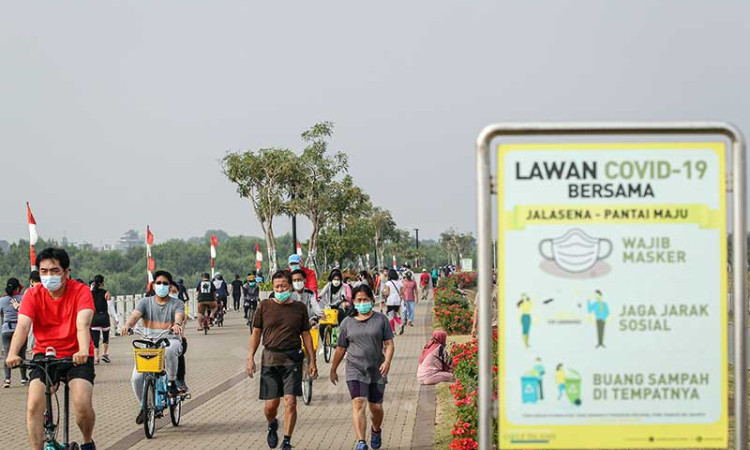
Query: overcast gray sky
[[112, 112]]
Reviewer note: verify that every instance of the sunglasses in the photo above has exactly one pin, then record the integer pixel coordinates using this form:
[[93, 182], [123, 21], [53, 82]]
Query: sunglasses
[[161, 283]]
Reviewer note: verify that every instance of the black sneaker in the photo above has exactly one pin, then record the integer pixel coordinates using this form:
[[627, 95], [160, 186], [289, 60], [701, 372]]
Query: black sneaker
[[273, 436], [286, 446], [181, 386], [90, 446], [401, 331], [139, 418], [172, 389]]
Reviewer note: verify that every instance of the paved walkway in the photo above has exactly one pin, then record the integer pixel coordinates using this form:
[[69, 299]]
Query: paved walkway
[[225, 412]]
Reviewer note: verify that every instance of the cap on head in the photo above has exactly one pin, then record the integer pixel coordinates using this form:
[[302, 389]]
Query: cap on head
[[295, 259]]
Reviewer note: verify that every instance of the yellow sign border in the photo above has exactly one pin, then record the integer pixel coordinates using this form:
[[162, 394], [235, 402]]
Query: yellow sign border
[[631, 435]]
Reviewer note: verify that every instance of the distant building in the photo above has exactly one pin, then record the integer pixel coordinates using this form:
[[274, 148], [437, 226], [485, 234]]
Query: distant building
[[4, 246], [129, 240]]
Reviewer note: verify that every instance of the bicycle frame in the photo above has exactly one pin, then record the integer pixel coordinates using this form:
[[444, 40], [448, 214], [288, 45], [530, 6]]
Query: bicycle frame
[[50, 427]]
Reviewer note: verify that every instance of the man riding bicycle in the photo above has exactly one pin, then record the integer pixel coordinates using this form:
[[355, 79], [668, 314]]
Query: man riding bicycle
[[251, 294], [306, 296], [160, 312], [60, 311], [206, 299]]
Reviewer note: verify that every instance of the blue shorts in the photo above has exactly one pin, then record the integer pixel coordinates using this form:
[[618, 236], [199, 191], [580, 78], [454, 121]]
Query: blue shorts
[[374, 392]]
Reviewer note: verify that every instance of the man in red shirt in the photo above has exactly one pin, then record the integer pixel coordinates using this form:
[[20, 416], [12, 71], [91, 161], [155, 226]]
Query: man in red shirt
[[424, 283], [311, 279], [60, 309]]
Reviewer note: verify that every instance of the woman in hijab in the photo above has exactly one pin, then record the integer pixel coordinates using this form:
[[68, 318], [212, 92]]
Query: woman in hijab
[[435, 362], [9, 305], [336, 294]]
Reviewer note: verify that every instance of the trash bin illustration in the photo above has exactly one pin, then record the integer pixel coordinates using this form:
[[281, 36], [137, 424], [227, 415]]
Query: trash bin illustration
[[573, 387], [529, 389]]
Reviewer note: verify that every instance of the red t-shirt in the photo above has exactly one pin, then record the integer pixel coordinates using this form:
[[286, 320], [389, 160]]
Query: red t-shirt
[[54, 320], [424, 279], [410, 290]]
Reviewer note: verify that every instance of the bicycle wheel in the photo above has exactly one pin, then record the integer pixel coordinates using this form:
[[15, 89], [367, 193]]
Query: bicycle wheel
[[175, 411], [306, 382], [149, 408], [206, 323], [327, 348]]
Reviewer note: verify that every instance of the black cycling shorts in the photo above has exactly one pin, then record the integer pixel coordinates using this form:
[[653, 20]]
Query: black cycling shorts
[[374, 392], [66, 371], [278, 381]]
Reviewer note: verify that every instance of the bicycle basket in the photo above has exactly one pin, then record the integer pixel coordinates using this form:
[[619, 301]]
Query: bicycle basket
[[315, 335], [149, 360], [331, 317]]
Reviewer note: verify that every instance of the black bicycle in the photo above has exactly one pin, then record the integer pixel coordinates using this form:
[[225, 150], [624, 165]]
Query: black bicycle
[[44, 363]]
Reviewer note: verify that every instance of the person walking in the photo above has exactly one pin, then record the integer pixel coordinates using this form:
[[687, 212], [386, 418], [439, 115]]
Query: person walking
[[236, 292], [410, 298], [424, 283], [100, 324], [280, 321], [393, 298], [9, 305], [366, 340]]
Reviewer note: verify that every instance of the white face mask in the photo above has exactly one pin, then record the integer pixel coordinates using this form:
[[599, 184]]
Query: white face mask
[[298, 285], [575, 251], [336, 283]]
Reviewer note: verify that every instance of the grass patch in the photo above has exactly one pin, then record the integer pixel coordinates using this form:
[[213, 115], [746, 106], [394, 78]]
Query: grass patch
[[445, 409]]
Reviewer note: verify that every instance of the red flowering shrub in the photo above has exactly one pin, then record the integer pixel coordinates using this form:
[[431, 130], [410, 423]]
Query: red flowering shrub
[[465, 280], [464, 391]]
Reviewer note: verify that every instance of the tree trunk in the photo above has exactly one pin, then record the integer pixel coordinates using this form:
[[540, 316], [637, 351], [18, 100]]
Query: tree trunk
[[271, 246], [313, 248]]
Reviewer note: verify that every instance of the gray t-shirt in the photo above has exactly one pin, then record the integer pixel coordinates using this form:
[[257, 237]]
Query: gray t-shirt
[[363, 341], [10, 313], [157, 318]]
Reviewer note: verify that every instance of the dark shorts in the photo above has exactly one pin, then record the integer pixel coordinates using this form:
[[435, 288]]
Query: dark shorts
[[278, 381], [390, 308], [66, 372], [373, 392]]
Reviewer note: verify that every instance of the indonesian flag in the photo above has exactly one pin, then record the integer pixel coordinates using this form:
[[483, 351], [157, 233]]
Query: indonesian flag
[[258, 257], [150, 263], [214, 244], [394, 260], [299, 249], [33, 236]]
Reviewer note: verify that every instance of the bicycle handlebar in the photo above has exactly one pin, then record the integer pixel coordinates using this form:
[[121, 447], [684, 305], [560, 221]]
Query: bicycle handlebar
[[45, 361]]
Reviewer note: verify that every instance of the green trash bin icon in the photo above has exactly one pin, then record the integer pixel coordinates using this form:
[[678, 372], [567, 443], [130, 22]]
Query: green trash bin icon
[[573, 386]]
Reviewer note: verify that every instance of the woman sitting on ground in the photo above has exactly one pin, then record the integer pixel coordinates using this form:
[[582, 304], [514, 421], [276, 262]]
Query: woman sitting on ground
[[435, 362]]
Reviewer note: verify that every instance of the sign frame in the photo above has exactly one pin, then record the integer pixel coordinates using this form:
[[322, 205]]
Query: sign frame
[[485, 190]]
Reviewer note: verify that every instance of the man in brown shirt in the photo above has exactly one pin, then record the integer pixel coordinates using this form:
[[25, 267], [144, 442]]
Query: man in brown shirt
[[280, 321]]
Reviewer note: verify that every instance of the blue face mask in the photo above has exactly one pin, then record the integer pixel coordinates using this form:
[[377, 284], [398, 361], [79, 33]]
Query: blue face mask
[[161, 290], [51, 282], [363, 308], [251, 283], [293, 267], [282, 296]]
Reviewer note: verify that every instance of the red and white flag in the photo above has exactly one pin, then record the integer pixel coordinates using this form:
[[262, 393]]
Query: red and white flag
[[299, 249], [214, 244], [395, 266], [150, 263], [33, 236], [258, 257]]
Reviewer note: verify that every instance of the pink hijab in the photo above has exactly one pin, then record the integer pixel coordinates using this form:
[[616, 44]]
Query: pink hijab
[[438, 338]]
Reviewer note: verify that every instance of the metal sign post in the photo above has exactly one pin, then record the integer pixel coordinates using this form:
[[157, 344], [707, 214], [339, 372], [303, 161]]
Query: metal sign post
[[654, 384]]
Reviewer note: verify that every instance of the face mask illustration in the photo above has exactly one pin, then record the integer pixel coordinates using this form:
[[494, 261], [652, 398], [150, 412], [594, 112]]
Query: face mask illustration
[[575, 251]]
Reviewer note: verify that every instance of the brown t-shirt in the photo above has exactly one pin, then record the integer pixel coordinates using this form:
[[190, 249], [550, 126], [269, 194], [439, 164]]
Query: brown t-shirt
[[281, 325]]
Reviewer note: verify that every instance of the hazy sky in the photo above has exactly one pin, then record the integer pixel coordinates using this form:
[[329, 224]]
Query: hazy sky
[[115, 114]]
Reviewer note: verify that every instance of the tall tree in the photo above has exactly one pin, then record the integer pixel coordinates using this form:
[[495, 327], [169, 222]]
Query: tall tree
[[264, 178], [314, 181]]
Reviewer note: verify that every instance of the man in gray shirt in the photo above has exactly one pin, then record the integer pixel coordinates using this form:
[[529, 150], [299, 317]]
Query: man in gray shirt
[[367, 342], [159, 313]]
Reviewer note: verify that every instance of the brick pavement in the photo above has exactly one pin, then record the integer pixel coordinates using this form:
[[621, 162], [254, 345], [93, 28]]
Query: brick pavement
[[231, 416]]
